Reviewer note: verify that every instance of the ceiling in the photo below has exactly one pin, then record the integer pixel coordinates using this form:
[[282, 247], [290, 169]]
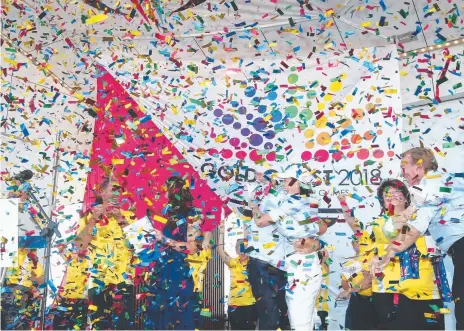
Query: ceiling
[[52, 45], [67, 36]]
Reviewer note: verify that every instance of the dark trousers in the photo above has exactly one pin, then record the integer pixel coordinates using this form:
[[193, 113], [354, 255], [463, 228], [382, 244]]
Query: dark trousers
[[407, 314], [323, 316], [360, 313], [243, 317], [70, 313], [19, 309], [115, 307], [457, 254], [268, 287]]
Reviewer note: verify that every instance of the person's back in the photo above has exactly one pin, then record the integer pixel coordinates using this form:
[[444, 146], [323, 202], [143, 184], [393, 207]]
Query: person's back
[[442, 195], [110, 255], [71, 301], [294, 214]]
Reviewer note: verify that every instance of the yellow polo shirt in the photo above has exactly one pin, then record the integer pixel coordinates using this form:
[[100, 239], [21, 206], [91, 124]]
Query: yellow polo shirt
[[23, 270], [366, 252], [76, 278], [109, 253], [199, 262], [423, 288], [240, 289]]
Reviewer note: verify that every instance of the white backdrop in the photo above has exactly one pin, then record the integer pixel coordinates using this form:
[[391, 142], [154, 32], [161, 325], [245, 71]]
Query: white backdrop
[[443, 125], [9, 215]]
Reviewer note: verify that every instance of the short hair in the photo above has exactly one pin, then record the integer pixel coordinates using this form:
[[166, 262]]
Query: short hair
[[179, 197], [424, 156], [104, 184], [398, 184]]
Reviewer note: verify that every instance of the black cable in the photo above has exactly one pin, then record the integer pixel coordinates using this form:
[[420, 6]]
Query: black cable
[[195, 40], [266, 40], [336, 25]]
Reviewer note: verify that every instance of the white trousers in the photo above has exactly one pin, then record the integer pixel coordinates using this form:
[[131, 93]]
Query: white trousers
[[304, 284]]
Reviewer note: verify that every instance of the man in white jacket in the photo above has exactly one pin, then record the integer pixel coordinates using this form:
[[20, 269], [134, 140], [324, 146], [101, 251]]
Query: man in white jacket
[[294, 215]]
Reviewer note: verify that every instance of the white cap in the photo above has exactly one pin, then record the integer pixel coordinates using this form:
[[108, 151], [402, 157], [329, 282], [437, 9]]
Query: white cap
[[298, 172]]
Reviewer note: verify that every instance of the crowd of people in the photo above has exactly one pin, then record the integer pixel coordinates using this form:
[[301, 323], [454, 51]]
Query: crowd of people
[[395, 280]]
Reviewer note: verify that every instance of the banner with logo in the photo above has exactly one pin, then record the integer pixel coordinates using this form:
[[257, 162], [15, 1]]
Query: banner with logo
[[339, 115]]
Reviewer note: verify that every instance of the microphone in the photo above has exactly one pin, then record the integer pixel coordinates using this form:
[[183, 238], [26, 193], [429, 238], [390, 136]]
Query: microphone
[[23, 175]]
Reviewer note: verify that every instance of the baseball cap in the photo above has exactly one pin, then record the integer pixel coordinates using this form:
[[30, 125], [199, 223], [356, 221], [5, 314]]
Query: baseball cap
[[296, 171]]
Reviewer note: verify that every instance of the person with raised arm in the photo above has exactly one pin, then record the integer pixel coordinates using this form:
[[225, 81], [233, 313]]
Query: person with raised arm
[[101, 246], [356, 278], [293, 214], [242, 308], [406, 295], [173, 303], [439, 211]]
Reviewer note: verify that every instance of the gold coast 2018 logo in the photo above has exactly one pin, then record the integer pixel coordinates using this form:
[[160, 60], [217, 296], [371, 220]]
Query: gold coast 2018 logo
[[340, 177]]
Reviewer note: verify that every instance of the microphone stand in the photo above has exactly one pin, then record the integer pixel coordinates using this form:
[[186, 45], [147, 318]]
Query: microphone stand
[[50, 230], [47, 232]]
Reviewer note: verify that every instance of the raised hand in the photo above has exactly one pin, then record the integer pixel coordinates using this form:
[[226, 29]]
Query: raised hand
[[342, 197], [98, 211], [222, 226], [260, 177], [206, 244]]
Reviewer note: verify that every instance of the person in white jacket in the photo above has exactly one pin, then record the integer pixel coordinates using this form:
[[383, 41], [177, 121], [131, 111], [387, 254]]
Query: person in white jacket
[[294, 214]]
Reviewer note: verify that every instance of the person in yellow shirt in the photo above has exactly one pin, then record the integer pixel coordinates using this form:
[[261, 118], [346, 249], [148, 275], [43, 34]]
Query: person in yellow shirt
[[357, 286], [242, 310], [199, 261], [71, 306], [20, 296], [405, 293], [356, 277], [101, 238]]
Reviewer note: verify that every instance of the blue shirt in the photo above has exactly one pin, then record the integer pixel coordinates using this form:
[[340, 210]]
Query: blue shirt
[[440, 201]]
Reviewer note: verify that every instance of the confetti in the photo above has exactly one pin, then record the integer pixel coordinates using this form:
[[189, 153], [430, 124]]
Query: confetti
[[152, 90]]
